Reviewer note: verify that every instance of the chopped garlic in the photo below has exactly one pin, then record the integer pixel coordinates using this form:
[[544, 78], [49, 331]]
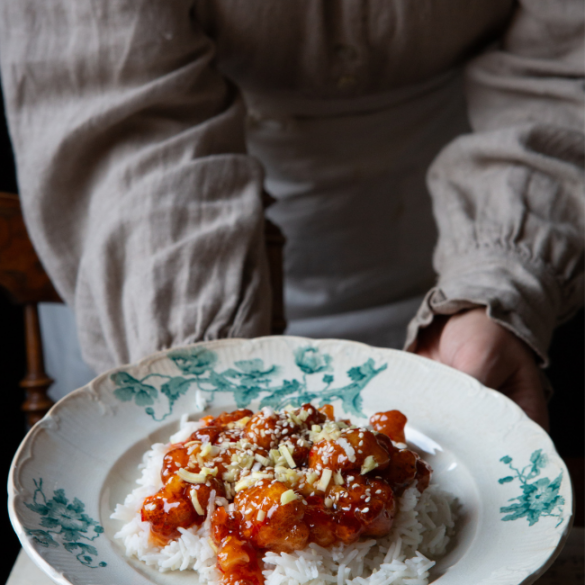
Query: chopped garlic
[[288, 497], [261, 515], [264, 460], [242, 422], [369, 464], [303, 415], [287, 476], [312, 477], [250, 480], [338, 478], [244, 483], [329, 432], [229, 475], [258, 475], [286, 454], [294, 418], [325, 479], [196, 503], [328, 502], [243, 460], [191, 477], [277, 457]]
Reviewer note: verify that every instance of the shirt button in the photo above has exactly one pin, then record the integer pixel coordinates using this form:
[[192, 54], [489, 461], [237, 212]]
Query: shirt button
[[346, 81]]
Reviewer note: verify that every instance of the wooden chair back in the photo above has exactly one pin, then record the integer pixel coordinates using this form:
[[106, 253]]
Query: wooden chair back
[[26, 283]]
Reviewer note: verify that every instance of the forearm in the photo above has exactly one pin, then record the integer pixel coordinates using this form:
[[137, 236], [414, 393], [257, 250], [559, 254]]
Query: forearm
[[137, 191]]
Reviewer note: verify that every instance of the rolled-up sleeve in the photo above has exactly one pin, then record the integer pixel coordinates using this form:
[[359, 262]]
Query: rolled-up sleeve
[[508, 198], [135, 184]]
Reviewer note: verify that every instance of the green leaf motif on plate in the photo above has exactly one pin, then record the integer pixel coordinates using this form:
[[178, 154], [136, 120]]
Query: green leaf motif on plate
[[175, 388], [311, 361], [540, 497], [248, 380], [130, 388], [64, 523], [195, 361]]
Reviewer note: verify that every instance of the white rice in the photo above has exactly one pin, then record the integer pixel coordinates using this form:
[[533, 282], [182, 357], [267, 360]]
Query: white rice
[[421, 532]]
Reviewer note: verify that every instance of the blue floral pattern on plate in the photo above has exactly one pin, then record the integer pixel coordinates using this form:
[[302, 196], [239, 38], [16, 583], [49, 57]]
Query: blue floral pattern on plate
[[247, 380], [539, 498], [66, 521]]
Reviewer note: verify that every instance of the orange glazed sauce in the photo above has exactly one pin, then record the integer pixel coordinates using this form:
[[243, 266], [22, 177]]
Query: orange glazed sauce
[[281, 481]]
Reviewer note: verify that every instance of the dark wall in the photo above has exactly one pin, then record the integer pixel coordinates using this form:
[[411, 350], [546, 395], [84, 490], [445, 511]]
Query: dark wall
[[11, 419], [567, 407], [12, 366]]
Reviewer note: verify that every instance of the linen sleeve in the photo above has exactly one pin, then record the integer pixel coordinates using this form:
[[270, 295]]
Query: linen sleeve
[[508, 198], [136, 188]]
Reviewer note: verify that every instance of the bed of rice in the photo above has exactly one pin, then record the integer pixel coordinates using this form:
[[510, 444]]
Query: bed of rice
[[421, 532]]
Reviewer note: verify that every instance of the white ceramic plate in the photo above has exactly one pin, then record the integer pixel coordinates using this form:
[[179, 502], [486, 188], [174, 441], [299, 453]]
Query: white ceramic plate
[[81, 460]]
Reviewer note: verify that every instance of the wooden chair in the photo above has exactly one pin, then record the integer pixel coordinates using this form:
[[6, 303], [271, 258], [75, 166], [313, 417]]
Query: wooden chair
[[26, 283], [24, 280]]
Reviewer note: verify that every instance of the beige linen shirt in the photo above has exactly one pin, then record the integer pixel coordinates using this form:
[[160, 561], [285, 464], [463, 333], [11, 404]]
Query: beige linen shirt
[[128, 126]]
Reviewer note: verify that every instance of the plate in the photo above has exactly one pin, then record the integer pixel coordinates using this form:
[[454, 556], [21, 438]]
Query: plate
[[76, 464]]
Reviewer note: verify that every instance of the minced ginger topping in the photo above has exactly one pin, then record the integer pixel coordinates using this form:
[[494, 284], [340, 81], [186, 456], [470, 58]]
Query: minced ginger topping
[[280, 480]]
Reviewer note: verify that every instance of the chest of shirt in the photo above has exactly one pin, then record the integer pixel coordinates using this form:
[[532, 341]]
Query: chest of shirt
[[346, 48]]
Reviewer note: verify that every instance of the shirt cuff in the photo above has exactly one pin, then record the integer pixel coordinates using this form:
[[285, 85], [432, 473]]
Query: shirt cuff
[[522, 296]]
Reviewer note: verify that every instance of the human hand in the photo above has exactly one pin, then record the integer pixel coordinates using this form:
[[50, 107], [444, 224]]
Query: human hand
[[474, 344]]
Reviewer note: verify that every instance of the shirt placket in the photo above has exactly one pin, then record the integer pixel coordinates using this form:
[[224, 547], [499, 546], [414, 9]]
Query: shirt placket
[[349, 47]]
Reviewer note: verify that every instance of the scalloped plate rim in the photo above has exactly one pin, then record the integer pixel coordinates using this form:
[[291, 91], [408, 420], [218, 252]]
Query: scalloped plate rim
[[91, 387]]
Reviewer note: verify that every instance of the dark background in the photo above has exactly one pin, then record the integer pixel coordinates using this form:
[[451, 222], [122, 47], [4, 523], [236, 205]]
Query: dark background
[[566, 374]]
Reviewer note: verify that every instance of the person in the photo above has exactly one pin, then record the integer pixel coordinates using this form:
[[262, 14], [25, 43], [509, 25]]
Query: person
[[145, 132]]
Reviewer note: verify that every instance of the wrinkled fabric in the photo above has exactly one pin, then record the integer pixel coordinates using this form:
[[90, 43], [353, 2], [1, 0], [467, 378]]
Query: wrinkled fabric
[[136, 188], [357, 219], [509, 198], [128, 125]]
